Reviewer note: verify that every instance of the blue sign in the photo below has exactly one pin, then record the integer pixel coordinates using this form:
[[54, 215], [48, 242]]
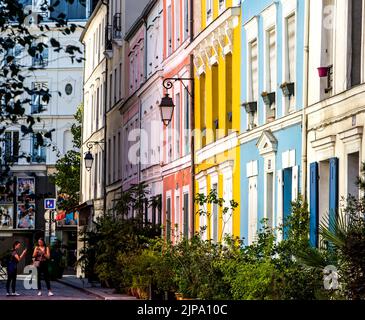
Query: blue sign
[[50, 204]]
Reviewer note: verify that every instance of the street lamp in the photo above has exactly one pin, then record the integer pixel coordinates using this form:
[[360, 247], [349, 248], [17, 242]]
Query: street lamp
[[89, 158], [167, 105]]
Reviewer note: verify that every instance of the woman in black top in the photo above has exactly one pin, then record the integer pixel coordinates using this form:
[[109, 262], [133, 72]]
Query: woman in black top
[[12, 269]]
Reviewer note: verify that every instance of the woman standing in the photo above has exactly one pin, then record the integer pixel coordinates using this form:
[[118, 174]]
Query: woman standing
[[12, 268], [41, 256]]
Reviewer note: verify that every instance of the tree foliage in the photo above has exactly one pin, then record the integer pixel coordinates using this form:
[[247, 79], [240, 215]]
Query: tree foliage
[[26, 31]]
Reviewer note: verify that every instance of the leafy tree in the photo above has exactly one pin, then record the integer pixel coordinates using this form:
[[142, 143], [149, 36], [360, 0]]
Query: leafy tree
[[23, 30], [67, 176]]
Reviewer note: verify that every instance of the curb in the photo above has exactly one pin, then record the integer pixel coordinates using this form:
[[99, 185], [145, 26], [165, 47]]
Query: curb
[[79, 288], [92, 292]]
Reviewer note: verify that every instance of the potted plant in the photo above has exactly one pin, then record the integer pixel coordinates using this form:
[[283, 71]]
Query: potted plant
[[250, 107], [323, 72], [269, 98], [288, 89]]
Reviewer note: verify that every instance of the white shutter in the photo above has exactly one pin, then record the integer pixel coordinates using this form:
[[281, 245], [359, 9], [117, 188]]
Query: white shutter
[[279, 213], [295, 183]]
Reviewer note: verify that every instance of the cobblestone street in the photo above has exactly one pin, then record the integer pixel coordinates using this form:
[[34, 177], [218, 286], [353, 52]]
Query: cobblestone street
[[61, 292]]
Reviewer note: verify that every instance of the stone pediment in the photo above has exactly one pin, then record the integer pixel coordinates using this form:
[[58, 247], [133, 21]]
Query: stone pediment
[[267, 143]]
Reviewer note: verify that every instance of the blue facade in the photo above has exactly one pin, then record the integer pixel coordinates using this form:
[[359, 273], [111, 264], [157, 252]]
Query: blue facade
[[285, 129]]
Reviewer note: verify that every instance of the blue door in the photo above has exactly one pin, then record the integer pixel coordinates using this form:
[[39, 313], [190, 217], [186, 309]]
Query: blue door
[[333, 189], [313, 208], [287, 197]]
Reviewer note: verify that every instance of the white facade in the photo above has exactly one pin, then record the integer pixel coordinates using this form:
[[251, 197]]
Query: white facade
[[336, 113]]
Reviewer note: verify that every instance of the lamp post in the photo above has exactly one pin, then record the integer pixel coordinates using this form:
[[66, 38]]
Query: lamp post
[[89, 158], [167, 105]]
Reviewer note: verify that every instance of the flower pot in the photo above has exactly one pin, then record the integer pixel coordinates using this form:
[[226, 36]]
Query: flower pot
[[322, 72], [250, 107]]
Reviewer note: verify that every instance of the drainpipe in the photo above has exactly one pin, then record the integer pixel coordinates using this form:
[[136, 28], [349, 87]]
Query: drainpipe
[[106, 146], [305, 100], [192, 121]]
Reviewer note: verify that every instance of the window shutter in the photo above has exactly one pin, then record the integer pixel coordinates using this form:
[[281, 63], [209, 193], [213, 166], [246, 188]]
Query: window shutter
[[333, 190], [287, 197], [313, 232]]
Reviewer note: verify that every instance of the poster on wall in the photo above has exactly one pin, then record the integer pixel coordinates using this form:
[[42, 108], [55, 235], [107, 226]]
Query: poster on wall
[[7, 192], [26, 189], [26, 216], [6, 216]]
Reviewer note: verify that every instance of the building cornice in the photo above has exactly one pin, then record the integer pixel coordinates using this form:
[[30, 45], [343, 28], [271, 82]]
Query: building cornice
[[279, 124]]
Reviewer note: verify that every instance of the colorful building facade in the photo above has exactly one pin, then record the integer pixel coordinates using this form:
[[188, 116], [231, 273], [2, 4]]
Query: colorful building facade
[[217, 55], [177, 198], [271, 113], [335, 115]]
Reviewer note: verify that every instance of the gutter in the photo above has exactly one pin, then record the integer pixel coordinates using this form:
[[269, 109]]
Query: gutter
[[305, 101]]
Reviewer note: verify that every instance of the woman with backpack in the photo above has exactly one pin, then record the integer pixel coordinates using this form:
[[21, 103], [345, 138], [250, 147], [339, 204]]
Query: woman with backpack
[[12, 268]]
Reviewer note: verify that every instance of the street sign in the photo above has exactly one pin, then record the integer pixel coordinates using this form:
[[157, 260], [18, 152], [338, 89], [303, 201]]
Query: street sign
[[50, 204]]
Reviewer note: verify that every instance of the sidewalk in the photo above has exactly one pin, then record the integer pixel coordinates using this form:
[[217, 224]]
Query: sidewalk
[[97, 290]]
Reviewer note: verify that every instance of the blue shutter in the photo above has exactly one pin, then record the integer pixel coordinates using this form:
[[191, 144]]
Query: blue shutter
[[333, 190], [314, 217], [287, 197]]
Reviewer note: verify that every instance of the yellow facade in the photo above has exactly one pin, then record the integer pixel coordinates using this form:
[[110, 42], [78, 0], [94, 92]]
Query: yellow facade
[[217, 98]]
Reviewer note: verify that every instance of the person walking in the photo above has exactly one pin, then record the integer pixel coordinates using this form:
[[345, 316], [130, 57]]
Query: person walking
[[41, 256], [12, 268]]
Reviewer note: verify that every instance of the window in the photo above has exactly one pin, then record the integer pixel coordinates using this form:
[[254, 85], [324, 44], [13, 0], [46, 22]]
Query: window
[[186, 215], [114, 158], [11, 146], [177, 23], [203, 218], [96, 173], [253, 86], [290, 29], [169, 29], [229, 92], [353, 168], [168, 218], [270, 72], [209, 10], [177, 217], [110, 91], [222, 5], [119, 155], [214, 218], [177, 125], [186, 122], [109, 160], [39, 97], [41, 58], [227, 196], [253, 94], [38, 150], [356, 40], [120, 80], [186, 19], [202, 108], [115, 85], [215, 101], [269, 198], [68, 89]]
